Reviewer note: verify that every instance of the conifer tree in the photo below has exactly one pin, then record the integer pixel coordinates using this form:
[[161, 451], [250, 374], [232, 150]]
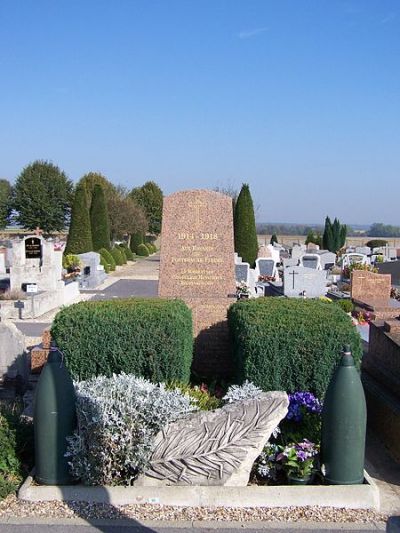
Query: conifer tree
[[246, 243], [79, 235], [274, 239], [99, 220], [334, 236]]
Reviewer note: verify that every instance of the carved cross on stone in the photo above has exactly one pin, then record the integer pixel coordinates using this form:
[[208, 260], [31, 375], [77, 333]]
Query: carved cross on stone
[[293, 274], [197, 205]]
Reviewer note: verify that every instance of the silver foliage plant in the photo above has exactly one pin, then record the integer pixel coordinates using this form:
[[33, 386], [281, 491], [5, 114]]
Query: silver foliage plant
[[236, 393], [118, 419]]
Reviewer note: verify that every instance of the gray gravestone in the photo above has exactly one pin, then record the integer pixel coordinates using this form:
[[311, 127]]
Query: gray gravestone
[[13, 359], [310, 261], [300, 281], [242, 272], [328, 259], [92, 272], [266, 267]]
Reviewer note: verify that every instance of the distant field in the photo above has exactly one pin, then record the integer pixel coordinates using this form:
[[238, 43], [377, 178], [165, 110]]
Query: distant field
[[351, 241]]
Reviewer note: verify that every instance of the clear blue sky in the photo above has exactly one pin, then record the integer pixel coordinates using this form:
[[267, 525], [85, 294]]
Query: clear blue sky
[[299, 98]]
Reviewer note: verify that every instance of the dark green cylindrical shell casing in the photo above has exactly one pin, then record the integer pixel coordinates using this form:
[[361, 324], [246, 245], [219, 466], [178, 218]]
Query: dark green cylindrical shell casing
[[54, 419], [344, 420]]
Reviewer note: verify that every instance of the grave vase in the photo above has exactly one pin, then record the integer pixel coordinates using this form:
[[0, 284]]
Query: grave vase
[[293, 480]]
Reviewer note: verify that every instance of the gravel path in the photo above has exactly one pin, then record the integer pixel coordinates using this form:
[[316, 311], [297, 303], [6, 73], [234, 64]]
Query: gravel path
[[11, 507]]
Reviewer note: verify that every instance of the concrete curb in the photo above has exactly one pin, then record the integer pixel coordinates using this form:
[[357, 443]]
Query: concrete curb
[[364, 496], [197, 524]]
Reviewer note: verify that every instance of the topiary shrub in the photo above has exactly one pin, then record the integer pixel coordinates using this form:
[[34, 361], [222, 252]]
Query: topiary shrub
[[142, 250], [123, 255], [128, 252], [376, 243], [118, 418], [289, 344], [149, 246], [108, 258], [104, 263], [136, 240], [116, 253], [150, 337]]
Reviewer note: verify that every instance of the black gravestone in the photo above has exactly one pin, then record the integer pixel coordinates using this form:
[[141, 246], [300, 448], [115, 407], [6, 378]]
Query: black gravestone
[[241, 272], [33, 248]]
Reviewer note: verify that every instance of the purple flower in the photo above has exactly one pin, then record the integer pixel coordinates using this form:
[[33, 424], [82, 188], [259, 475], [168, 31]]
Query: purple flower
[[301, 403]]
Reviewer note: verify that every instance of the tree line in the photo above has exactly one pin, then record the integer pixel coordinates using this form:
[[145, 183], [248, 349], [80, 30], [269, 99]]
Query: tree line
[[375, 230], [43, 196]]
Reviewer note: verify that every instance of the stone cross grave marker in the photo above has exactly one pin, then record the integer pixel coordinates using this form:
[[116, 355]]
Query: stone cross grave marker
[[197, 265], [299, 281]]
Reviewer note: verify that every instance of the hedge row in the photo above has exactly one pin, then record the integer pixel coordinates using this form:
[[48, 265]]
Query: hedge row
[[288, 344], [146, 337]]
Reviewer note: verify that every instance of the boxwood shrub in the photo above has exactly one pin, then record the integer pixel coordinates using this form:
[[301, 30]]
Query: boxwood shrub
[[288, 344], [142, 250], [148, 337], [116, 253], [108, 258]]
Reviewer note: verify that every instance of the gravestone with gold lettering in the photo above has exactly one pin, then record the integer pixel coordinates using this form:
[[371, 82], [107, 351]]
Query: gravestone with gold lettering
[[35, 261], [197, 265]]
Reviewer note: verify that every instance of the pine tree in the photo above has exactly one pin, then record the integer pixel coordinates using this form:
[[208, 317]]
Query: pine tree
[[274, 239], [99, 219], [246, 243], [79, 235]]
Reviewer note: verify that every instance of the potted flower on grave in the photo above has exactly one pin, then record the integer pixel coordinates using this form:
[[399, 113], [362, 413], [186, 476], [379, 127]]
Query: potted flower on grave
[[298, 460], [242, 290]]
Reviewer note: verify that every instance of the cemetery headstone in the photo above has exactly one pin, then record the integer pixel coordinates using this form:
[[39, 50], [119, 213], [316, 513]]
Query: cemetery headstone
[[92, 272], [34, 260], [364, 250], [266, 267], [197, 265], [304, 282], [298, 250], [328, 259], [366, 286], [13, 359], [242, 271], [311, 261]]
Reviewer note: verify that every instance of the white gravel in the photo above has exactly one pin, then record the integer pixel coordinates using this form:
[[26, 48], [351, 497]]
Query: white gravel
[[11, 507]]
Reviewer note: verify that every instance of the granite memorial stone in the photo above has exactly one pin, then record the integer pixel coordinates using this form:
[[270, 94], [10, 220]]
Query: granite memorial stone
[[197, 265]]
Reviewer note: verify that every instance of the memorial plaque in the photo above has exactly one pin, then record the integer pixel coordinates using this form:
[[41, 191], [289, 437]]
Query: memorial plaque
[[242, 272], [197, 265], [33, 248], [266, 267]]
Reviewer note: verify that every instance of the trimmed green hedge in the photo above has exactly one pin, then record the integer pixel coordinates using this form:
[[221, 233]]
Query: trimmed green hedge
[[147, 337], [116, 253], [104, 263], [142, 250], [128, 252], [288, 344], [108, 258]]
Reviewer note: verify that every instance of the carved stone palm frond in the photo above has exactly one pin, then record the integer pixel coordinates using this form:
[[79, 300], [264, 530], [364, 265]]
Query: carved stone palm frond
[[215, 447]]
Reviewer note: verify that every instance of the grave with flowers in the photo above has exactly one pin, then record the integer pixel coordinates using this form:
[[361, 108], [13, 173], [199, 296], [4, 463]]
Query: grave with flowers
[[149, 431]]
